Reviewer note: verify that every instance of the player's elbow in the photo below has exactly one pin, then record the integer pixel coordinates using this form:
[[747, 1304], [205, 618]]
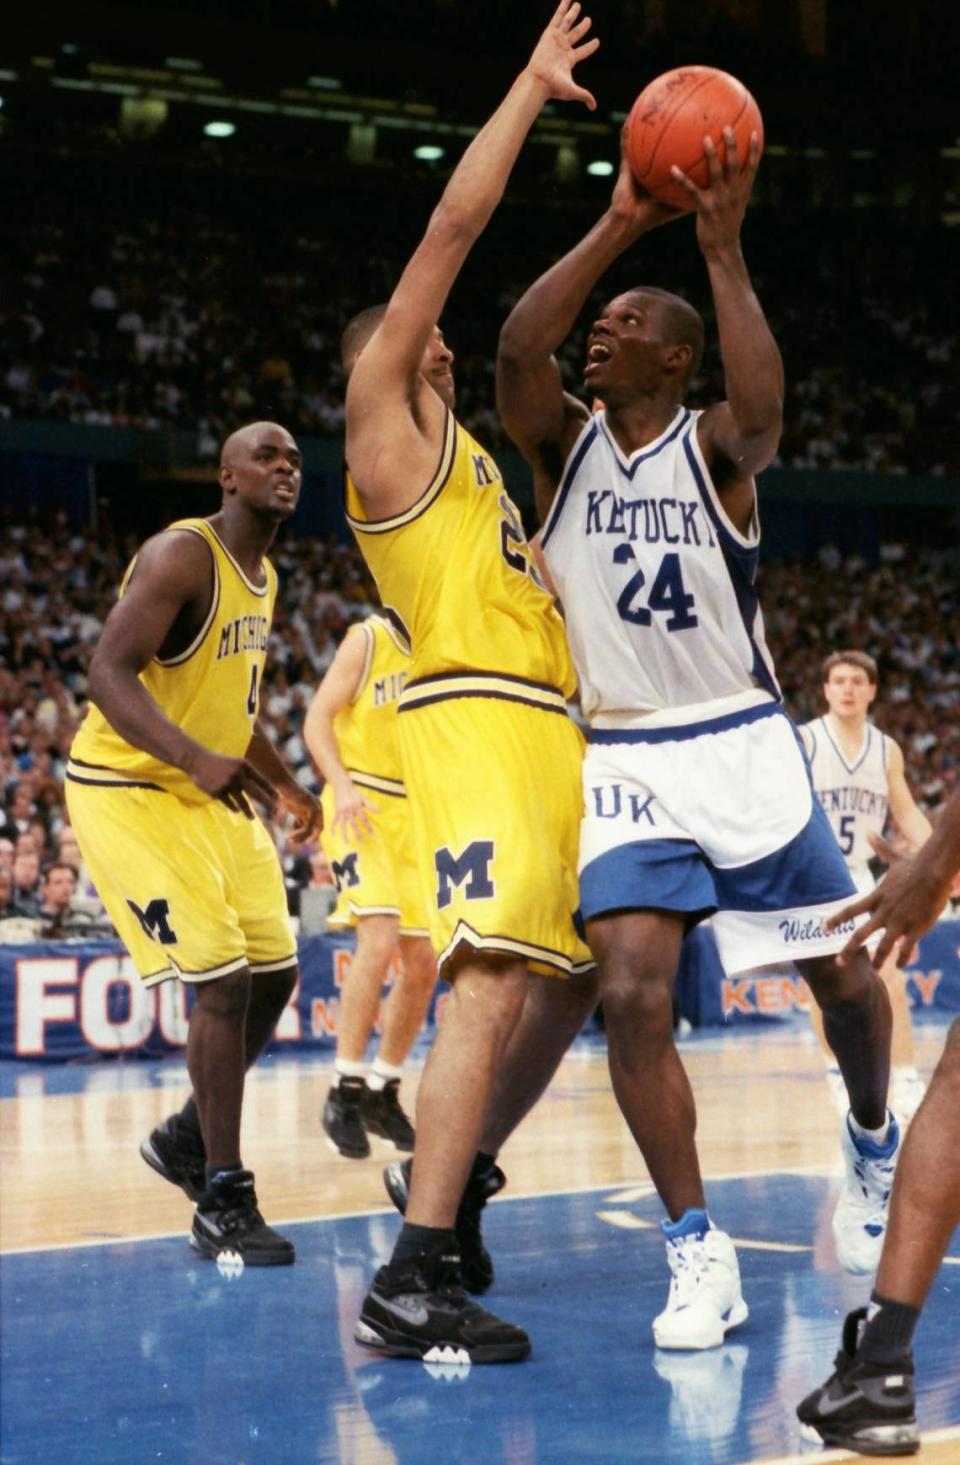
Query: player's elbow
[[452, 226], [514, 345]]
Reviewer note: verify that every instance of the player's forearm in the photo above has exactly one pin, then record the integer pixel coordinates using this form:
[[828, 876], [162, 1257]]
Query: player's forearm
[[914, 826], [133, 713], [323, 748], [752, 365], [545, 315]]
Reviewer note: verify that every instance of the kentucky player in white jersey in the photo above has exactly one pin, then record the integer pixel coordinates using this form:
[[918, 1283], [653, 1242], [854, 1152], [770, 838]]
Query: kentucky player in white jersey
[[858, 776], [696, 791]]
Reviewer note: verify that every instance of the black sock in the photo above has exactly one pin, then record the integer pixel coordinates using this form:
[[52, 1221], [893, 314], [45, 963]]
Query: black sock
[[482, 1165], [419, 1241], [190, 1119], [218, 1174], [887, 1335]]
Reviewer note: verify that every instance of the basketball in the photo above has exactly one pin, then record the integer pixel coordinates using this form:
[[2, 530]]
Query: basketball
[[672, 116]]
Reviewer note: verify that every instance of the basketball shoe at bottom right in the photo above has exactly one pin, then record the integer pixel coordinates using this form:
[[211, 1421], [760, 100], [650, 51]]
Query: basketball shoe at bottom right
[[860, 1219], [864, 1406], [705, 1300]]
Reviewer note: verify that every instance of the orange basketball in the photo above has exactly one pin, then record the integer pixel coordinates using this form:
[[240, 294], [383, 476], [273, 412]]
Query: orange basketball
[[672, 116]]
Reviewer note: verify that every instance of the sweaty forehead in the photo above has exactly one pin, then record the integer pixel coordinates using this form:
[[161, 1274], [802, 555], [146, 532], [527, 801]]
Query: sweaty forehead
[[632, 300]]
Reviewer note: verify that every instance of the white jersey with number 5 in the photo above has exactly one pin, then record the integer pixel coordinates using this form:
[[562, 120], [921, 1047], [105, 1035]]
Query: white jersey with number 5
[[854, 794], [655, 581]]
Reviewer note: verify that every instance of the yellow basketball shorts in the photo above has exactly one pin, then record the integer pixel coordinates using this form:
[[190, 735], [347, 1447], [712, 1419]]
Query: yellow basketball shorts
[[194, 890], [492, 770], [376, 875]]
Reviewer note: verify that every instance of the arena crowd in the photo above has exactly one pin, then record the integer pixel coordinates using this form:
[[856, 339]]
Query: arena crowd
[[58, 586]]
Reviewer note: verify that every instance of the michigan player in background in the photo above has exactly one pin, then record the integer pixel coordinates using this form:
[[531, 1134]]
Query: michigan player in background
[[490, 757], [159, 783], [858, 776], [696, 793], [351, 732]]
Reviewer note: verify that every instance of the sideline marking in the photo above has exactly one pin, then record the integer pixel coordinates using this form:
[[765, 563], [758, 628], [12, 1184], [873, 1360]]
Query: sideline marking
[[629, 1222], [613, 1194]]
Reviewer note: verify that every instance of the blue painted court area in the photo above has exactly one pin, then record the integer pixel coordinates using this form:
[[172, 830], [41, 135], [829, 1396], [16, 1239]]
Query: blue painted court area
[[123, 1354]]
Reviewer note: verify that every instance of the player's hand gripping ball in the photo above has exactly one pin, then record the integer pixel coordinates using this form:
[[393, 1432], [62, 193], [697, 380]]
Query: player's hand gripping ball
[[670, 119]]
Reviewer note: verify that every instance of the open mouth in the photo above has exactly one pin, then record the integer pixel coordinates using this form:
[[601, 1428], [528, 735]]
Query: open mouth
[[597, 354]]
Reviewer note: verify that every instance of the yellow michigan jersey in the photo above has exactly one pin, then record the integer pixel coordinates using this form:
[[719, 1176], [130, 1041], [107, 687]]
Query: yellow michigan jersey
[[194, 889], [375, 875], [211, 689], [366, 729], [491, 760], [457, 569]]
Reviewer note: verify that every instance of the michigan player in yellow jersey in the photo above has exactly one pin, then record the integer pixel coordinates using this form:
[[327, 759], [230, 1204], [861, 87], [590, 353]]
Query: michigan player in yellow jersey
[[490, 758], [159, 783], [351, 732]]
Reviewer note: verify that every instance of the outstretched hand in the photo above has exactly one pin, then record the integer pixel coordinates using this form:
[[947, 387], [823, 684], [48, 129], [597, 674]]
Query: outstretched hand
[[721, 206], [558, 51], [903, 906]]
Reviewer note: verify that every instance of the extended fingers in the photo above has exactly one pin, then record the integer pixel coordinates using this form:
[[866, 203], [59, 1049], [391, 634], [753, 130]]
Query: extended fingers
[[678, 174], [714, 167], [850, 912]]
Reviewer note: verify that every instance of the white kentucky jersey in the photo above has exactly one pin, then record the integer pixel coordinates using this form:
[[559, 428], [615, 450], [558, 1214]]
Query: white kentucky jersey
[[656, 583], [854, 792]]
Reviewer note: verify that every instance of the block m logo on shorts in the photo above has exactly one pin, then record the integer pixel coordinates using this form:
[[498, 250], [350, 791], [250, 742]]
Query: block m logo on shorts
[[345, 870], [471, 869], [154, 921]]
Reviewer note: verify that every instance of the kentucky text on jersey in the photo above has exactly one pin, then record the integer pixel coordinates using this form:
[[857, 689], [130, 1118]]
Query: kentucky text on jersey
[[656, 521], [852, 800], [245, 633]]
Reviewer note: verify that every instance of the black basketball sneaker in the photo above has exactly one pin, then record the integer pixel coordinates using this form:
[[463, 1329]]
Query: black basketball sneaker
[[864, 1406], [227, 1220], [342, 1118], [419, 1309], [383, 1115], [476, 1263], [176, 1152]]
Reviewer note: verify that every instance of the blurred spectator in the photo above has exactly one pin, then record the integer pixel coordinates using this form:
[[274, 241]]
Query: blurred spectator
[[61, 917], [9, 907], [27, 884]]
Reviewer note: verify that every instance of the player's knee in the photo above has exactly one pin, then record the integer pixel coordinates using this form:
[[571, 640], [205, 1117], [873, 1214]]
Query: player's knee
[[277, 987], [377, 942], [631, 991], [227, 997], [419, 963], [834, 986]]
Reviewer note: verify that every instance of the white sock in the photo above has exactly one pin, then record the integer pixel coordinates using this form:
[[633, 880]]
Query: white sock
[[346, 1068], [878, 1136], [381, 1073]]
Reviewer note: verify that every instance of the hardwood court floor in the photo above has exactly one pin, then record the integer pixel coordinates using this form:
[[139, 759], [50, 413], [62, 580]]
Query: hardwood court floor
[[94, 1258]]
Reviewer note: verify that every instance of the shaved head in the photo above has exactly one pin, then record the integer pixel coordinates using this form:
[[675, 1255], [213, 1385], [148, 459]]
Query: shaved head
[[357, 332], [245, 440], [678, 321]]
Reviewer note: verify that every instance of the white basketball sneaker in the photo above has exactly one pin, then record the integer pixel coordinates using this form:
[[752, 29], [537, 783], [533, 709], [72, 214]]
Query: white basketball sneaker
[[907, 1089], [860, 1219], [705, 1299]]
